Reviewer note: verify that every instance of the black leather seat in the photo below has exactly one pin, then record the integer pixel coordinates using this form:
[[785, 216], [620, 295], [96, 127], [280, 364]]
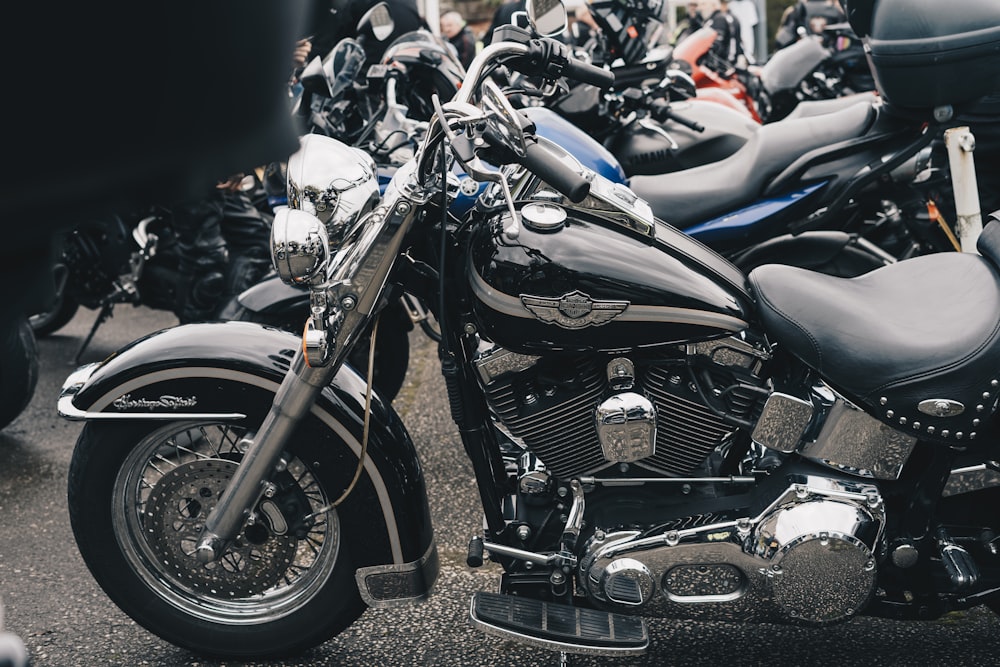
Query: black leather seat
[[924, 329], [687, 197]]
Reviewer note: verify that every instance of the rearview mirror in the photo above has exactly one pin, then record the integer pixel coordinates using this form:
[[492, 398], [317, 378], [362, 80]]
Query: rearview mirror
[[547, 16]]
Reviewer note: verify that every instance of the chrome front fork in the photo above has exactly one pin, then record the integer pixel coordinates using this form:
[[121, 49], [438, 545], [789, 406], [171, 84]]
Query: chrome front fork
[[353, 293], [296, 395]]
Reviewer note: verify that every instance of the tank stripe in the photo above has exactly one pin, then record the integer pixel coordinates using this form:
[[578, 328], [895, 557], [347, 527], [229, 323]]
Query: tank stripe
[[511, 305]]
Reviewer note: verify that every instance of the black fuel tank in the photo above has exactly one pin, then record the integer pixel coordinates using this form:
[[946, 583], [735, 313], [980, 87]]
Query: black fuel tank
[[589, 284]]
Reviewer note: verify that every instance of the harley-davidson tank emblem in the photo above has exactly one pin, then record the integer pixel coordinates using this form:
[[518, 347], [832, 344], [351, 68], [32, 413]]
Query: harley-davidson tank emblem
[[575, 310], [126, 402]]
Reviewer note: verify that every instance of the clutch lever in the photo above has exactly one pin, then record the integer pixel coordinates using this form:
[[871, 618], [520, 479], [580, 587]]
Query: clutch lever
[[464, 149]]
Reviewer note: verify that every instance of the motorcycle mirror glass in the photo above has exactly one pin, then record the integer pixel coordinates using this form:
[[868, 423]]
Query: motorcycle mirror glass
[[547, 16], [381, 21], [342, 66]]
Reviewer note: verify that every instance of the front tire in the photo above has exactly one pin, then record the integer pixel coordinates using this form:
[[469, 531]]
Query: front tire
[[139, 494], [18, 368]]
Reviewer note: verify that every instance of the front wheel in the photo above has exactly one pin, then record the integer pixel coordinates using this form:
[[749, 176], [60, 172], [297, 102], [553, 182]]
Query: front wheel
[[139, 494], [18, 368]]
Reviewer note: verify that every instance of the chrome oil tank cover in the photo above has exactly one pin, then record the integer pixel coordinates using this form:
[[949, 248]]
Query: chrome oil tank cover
[[543, 216]]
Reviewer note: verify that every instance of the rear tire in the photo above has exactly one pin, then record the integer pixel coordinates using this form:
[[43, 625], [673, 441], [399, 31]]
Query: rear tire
[[18, 368], [138, 496]]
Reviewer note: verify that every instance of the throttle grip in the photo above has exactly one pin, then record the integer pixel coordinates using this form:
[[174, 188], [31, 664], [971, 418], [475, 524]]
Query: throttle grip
[[587, 73], [546, 165], [662, 112]]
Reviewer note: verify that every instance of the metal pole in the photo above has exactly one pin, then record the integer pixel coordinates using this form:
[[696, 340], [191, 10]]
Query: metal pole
[[969, 220], [431, 11], [761, 33]]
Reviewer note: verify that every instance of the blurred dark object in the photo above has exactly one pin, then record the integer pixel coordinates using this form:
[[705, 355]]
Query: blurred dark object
[[12, 650], [120, 104], [332, 20]]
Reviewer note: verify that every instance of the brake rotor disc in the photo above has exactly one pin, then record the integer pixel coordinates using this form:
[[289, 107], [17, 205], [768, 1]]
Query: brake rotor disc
[[174, 517]]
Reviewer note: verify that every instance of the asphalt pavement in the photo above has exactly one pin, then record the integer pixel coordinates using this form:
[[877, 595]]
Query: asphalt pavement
[[65, 620]]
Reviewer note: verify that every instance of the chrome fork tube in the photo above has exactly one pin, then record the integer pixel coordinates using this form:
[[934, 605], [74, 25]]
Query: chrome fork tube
[[262, 453], [360, 278]]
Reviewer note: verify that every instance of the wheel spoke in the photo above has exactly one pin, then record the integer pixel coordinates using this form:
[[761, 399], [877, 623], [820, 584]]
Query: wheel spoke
[[177, 476]]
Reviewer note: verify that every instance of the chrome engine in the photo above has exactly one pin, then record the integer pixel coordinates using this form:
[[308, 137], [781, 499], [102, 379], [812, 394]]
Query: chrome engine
[[643, 438], [809, 557], [662, 415]]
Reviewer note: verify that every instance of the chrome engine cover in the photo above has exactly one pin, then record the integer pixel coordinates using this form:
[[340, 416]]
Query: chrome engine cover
[[809, 557]]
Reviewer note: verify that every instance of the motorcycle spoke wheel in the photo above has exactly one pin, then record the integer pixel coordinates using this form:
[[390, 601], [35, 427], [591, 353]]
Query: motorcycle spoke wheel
[[174, 513], [284, 584], [164, 493]]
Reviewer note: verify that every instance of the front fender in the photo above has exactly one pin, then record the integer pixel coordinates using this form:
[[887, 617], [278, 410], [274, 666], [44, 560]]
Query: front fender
[[271, 295], [231, 371]]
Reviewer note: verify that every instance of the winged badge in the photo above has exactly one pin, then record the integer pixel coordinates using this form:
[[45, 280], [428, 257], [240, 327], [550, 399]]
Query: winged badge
[[575, 310]]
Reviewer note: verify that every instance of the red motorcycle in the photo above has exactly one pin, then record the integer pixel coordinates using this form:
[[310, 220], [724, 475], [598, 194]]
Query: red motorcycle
[[716, 79]]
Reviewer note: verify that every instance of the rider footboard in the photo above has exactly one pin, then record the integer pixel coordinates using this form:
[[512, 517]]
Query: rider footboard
[[559, 627]]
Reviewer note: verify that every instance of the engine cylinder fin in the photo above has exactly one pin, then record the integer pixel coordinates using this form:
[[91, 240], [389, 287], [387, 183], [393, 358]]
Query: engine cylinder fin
[[560, 428], [555, 418], [689, 431]]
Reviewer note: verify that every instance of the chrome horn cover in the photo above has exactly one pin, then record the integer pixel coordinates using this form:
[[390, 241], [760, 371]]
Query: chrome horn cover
[[300, 246]]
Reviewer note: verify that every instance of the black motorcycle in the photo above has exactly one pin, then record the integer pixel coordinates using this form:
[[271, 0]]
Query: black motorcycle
[[857, 179], [137, 257], [814, 68], [652, 432]]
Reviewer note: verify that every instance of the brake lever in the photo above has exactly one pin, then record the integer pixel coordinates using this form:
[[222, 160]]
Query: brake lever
[[655, 127]]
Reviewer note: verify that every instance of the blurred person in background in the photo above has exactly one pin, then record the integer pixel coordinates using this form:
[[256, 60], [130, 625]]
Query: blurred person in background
[[691, 22], [745, 13], [727, 44], [458, 34], [175, 95]]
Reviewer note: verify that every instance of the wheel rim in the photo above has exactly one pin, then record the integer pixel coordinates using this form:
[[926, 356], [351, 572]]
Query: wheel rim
[[162, 495]]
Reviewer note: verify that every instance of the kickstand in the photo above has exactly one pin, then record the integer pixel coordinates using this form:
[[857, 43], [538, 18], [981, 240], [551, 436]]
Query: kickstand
[[102, 317]]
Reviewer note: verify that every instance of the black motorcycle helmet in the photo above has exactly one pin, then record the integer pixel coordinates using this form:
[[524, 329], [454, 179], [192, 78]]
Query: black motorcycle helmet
[[928, 54], [431, 69]]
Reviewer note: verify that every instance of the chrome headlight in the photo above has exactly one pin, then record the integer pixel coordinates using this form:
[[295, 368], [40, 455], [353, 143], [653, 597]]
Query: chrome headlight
[[300, 246], [333, 181]]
